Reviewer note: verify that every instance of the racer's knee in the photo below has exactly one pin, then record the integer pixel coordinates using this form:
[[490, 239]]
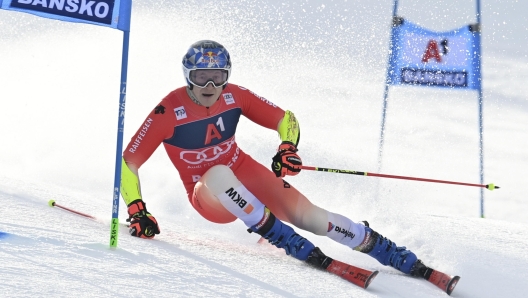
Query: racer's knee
[[220, 178], [208, 205], [233, 195]]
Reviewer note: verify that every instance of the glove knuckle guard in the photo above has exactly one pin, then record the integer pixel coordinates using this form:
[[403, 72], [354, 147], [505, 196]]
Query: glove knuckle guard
[[286, 161], [142, 223]]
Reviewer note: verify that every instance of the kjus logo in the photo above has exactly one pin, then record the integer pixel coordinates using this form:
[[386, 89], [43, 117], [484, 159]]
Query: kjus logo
[[207, 154], [98, 11]]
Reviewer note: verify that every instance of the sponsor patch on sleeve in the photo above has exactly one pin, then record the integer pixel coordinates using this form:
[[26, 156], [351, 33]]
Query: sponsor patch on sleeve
[[180, 113], [228, 98]]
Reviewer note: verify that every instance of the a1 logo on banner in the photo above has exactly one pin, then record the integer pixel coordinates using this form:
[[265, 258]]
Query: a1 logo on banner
[[451, 52], [432, 51]]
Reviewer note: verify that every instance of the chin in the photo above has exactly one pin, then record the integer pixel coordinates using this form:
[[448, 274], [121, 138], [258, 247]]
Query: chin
[[208, 102]]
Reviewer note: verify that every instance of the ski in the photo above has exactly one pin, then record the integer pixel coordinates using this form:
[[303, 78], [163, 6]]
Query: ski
[[356, 275], [446, 283], [363, 277]]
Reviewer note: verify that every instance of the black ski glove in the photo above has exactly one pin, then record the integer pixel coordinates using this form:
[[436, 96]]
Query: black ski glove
[[286, 161], [142, 223]]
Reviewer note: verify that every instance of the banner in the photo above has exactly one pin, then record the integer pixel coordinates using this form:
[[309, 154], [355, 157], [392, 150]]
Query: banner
[[109, 13], [436, 59]]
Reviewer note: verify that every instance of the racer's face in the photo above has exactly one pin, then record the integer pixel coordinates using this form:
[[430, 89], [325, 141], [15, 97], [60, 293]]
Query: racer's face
[[207, 95]]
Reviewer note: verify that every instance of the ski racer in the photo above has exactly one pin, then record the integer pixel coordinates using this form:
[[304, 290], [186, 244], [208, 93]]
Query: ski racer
[[196, 124]]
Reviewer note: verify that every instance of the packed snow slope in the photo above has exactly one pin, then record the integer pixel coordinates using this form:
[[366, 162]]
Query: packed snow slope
[[325, 61]]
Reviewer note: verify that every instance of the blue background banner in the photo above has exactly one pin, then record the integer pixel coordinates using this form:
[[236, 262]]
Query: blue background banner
[[109, 13], [436, 59]]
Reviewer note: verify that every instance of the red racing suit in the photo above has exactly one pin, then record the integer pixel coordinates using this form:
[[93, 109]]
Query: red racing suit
[[197, 138]]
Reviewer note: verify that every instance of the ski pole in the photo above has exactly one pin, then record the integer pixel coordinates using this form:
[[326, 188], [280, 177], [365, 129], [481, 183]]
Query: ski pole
[[52, 203], [490, 186]]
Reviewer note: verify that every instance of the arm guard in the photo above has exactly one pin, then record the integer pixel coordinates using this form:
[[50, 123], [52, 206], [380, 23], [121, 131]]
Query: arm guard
[[130, 189], [289, 130]]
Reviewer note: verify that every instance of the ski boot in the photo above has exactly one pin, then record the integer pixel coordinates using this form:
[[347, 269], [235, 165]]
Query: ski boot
[[318, 259], [283, 236], [386, 252], [420, 270]]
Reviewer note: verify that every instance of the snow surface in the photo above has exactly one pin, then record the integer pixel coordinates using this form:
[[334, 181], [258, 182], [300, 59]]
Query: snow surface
[[324, 60]]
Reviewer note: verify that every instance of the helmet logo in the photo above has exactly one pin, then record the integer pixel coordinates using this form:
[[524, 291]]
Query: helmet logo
[[210, 58]]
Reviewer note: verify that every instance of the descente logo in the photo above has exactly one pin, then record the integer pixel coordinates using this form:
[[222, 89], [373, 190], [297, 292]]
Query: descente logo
[[99, 11]]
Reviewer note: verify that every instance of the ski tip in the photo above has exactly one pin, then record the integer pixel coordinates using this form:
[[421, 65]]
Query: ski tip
[[370, 279], [51, 203], [452, 284]]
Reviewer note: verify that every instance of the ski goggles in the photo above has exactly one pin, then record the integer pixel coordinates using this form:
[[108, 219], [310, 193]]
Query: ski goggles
[[202, 77]]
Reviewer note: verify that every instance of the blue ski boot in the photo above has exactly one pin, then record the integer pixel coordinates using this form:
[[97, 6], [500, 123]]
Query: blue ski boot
[[386, 252], [283, 236]]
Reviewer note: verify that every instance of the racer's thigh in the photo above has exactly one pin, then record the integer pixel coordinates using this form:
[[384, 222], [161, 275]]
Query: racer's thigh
[[284, 200]]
